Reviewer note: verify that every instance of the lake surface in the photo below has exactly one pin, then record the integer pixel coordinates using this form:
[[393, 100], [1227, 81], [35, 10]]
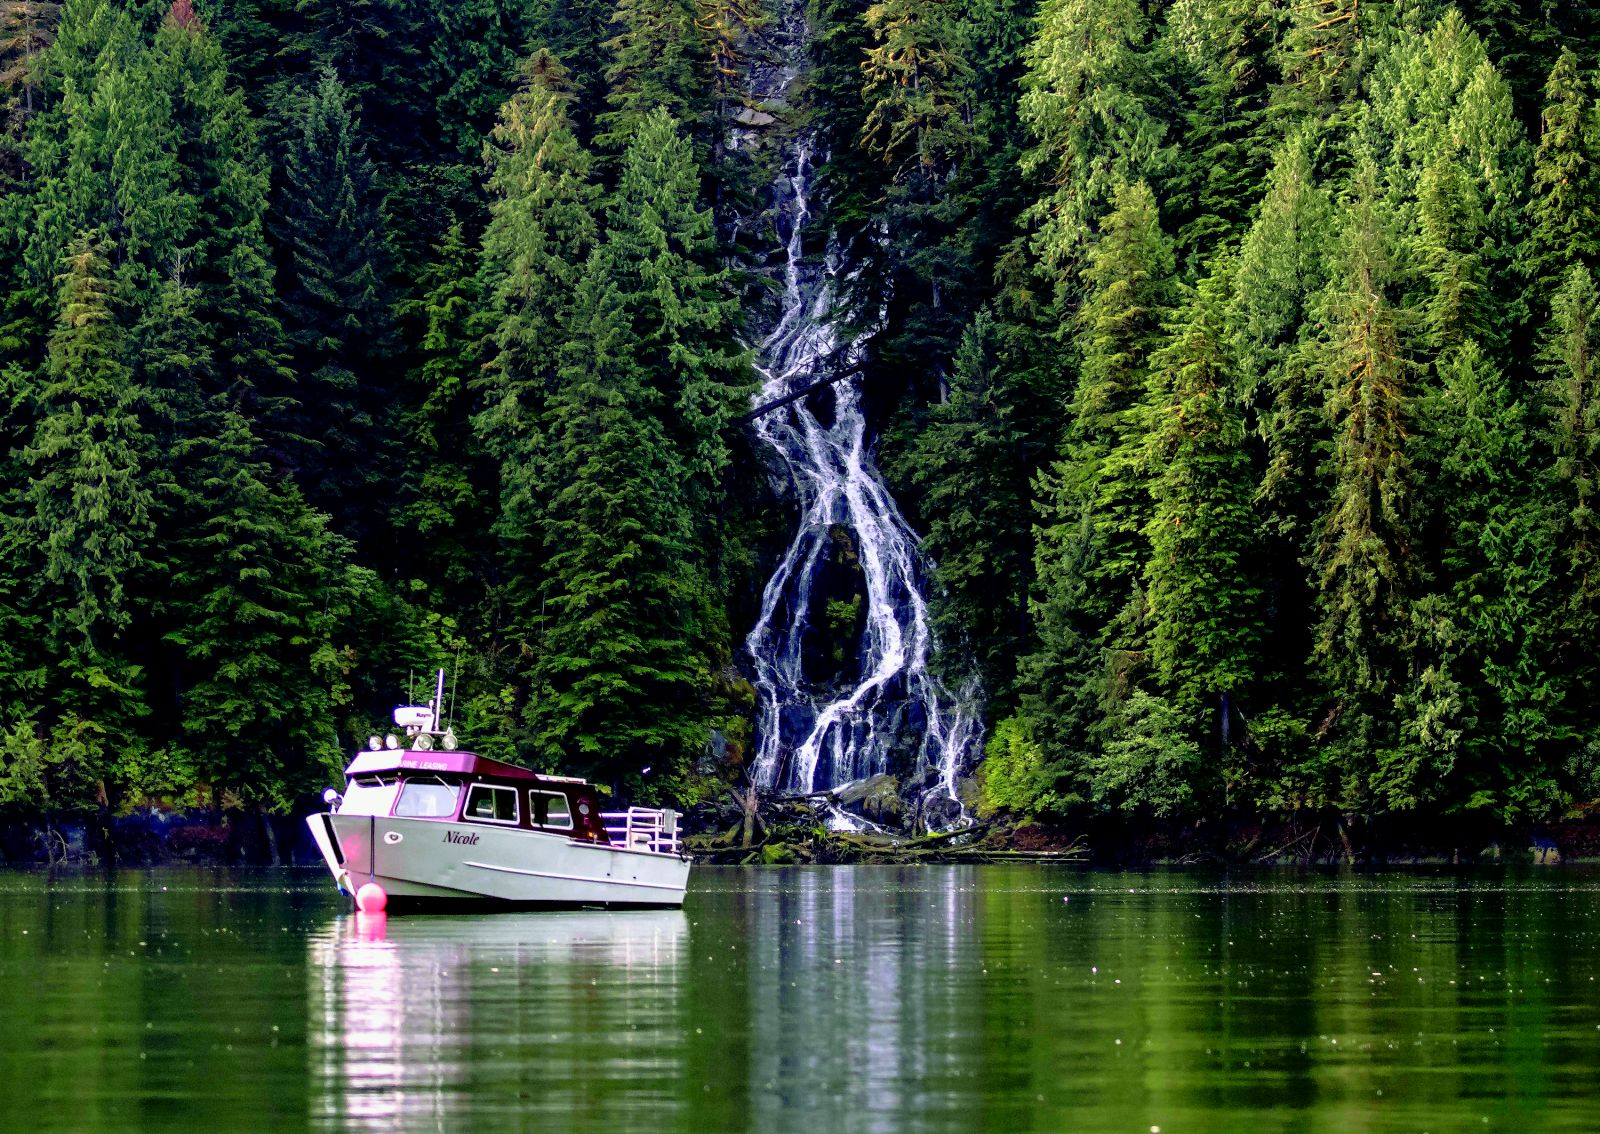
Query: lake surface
[[813, 999]]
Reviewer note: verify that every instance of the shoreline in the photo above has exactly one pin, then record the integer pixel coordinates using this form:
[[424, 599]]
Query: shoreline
[[204, 837]]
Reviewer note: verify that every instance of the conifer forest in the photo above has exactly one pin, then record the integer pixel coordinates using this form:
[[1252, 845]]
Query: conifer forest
[[1237, 363]]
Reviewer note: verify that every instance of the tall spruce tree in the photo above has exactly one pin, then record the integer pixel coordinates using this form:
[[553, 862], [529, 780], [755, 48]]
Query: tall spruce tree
[[1225, 50], [660, 251], [1321, 58], [1094, 505], [1564, 205], [972, 462], [619, 686], [1456, 304], [1570, 359], [541, 229], [1204, 600], [257, 599], [1365, 568], [916, 89], [443, 484], [1086, 102], [333, 282], [660, 56], [27, 28], [1128, 283], [1484, 713], [85, 520], [1281, 270]]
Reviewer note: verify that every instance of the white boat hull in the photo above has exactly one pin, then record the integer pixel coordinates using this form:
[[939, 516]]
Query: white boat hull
[[429, 861]]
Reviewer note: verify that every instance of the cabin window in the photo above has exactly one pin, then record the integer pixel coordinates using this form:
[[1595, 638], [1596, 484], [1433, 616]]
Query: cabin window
[[487, 803], [550, 809], [370, 795], [428, 799]]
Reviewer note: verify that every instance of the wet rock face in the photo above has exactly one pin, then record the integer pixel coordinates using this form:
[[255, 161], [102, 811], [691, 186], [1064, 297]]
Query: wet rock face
[[876, 799], [841, 649]]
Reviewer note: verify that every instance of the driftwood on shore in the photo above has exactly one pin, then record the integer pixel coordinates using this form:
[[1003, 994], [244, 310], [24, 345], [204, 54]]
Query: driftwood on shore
[[807, 829]]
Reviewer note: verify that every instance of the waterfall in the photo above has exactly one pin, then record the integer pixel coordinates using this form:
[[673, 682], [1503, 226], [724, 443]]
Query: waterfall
[[891, 713]]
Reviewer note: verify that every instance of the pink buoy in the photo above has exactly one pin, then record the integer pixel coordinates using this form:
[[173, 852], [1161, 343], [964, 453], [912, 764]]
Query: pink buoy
[[371, 898]]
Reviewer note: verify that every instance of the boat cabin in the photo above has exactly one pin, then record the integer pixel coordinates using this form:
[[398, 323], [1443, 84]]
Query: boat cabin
[[462, 787]]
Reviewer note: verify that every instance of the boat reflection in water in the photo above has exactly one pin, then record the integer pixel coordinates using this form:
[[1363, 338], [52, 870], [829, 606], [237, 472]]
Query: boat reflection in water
[[421, 1022]]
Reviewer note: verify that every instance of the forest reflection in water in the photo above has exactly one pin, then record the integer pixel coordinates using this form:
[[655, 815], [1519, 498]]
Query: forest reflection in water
[[980, 998], [813, 1000]]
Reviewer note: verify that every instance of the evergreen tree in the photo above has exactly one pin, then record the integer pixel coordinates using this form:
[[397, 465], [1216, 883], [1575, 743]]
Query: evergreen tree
[[1525, 38], [27, 28], [918, 125], [1227, 47], [1128, 285], [1447, 250], [1570, 357], [84, 521], [217, 196], [973, 463], [1364, 565], [660, 249], [1437, 103], [333, 284], [1281, 270], [915, 81], [1320, 58], [255, 604], [377, 50], [618, 686], [1085, 100], [1094, 505], [541, 228], [1564, 206], [1485, 714], [1204, 603], [443, 483], [473, 51], [660, 55]]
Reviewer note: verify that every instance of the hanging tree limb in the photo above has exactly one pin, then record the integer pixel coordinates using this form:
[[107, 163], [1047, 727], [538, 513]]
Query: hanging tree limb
[[796, 395]]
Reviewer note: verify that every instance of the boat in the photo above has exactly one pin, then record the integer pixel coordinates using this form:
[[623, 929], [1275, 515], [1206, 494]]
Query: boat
[[432, 826]]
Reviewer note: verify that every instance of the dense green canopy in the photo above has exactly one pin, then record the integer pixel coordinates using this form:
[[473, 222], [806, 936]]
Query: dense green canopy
[[1238, 360]]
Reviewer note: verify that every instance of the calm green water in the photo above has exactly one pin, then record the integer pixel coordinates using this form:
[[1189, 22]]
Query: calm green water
[[812, 999]]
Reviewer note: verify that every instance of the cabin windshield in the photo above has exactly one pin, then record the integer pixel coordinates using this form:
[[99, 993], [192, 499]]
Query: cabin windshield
[[431, 798], [370, 795]]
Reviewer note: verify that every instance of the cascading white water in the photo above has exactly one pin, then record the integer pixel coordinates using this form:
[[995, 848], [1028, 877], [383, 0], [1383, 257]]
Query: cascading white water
[[812, 738]]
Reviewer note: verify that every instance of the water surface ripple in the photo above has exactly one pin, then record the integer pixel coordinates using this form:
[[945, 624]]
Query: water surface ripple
[[813, 1000]]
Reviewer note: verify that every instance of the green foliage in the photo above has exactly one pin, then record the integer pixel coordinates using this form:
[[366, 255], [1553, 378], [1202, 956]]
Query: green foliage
[[1087, 102], [259, 600], [84, 523], [1016, 775], [617, 683], [1564, 206], [660, 58], [333, 287], [443, 499], [1149, 763], [1205, 618], [972, 461], [915, 79], [1197, 338], [1570, 359], [1364, 566]]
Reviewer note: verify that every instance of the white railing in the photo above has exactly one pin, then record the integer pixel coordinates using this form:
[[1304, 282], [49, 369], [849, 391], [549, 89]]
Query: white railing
[[642, 828]]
